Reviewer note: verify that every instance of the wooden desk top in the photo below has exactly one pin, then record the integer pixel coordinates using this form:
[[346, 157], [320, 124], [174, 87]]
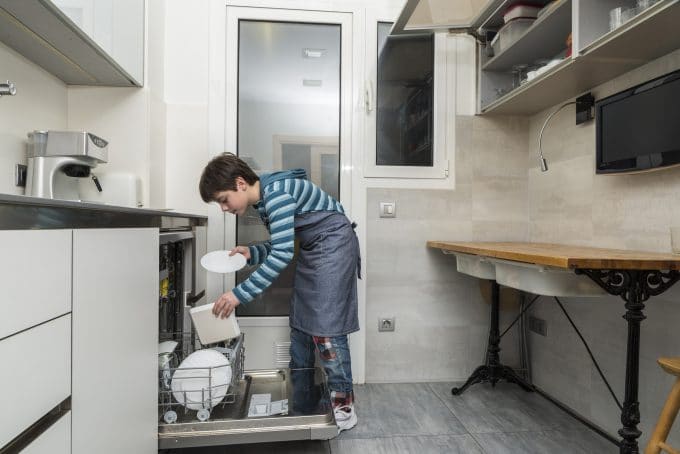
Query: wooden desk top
[[564, 256]]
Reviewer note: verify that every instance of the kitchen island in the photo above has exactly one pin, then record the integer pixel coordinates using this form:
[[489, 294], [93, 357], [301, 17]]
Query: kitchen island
[[564, 270]]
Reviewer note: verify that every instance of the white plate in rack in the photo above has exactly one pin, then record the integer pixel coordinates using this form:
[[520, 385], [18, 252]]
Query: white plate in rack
[[202, 379]]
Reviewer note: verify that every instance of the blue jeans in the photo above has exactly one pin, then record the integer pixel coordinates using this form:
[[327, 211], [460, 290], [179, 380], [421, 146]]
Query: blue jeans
[[335, 359]]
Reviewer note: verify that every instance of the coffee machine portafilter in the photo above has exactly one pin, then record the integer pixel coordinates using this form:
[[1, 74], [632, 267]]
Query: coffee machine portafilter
[[74, 153]]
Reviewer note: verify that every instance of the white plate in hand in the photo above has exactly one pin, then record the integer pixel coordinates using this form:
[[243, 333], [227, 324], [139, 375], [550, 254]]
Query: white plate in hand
[[221, 262]]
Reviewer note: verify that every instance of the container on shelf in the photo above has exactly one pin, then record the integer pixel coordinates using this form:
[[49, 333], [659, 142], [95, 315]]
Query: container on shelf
[[520, 10], [509, 33]]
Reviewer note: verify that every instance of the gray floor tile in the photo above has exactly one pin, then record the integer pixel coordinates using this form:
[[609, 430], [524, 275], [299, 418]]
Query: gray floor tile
[[401, 409], [549, 441], [443, 444], [284, 447], [505, 408]]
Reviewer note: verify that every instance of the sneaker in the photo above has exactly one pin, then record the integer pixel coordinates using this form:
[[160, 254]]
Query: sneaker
[[345, 417]]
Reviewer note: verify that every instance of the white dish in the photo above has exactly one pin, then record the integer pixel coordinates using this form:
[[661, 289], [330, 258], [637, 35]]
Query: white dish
[[167, 347], [212, 329], [221, 262], [201, 380]]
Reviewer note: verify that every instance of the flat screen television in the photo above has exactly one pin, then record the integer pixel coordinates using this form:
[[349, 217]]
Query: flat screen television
[[639, 128]]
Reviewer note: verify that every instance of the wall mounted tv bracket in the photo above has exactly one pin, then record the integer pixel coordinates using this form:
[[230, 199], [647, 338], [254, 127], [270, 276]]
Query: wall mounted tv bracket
[[584, 108]]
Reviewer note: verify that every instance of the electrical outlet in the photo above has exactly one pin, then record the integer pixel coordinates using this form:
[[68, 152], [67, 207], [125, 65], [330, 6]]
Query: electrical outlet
[[386, 324], [20, 175], [538, 325]]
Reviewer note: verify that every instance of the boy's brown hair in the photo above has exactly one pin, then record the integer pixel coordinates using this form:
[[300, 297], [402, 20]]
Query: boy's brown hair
[[220, 175]]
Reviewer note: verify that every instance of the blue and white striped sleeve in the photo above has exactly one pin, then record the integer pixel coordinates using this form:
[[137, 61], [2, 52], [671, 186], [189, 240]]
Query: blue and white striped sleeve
[[259, 252], [280, 208]]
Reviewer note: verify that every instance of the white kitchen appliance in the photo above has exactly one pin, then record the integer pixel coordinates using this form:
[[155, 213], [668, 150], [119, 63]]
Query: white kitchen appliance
[[52, 155]]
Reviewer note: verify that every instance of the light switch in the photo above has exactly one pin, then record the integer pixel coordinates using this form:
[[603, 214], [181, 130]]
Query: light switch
[[388, 209]]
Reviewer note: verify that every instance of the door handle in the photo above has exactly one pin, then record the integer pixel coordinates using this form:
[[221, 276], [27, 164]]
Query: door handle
[[368, 96]]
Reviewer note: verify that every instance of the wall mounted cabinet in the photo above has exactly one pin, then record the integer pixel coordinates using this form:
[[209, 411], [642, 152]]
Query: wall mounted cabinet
[[82, 42], [598, 52]]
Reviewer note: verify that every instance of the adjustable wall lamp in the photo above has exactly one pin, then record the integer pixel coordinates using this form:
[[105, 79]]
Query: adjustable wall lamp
[[584, 108]]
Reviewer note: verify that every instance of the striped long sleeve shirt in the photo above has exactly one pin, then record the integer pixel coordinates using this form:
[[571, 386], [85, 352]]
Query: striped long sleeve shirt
[[283, 195]]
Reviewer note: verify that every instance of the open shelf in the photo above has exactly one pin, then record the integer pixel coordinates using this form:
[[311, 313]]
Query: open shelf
[[645, 37], [550, 31], [649, 35]]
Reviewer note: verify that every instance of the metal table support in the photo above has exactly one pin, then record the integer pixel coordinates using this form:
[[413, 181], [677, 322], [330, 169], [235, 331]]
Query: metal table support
[[634, 287], [493, 371]]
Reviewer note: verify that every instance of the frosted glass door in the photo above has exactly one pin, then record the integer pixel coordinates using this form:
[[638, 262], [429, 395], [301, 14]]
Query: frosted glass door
[[288, 116]]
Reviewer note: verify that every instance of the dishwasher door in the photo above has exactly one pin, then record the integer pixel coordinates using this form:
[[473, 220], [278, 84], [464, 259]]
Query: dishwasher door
[[309, 415]]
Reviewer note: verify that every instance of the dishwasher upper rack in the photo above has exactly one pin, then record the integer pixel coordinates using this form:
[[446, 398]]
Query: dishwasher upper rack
[[168, 406]]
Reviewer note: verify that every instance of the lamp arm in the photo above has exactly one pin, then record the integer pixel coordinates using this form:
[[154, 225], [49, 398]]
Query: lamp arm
[[544, 163]]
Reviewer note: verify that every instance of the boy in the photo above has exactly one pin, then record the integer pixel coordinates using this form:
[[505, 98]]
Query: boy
[[323, 309]]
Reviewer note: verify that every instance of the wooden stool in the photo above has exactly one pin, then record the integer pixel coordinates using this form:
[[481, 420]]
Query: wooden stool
[[670, 410]]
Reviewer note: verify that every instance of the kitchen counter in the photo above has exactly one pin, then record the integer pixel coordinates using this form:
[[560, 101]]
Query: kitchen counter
[[22, 212], [564, 256]]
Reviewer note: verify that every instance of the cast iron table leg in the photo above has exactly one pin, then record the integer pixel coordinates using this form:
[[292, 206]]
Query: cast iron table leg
[[634, 287], [493, 370]]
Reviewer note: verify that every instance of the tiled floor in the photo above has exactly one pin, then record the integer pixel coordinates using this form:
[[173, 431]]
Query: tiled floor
[[425, 418]]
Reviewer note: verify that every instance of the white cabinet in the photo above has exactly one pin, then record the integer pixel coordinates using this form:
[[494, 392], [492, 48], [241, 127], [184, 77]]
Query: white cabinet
[[115, 341], [35, 277], [55, 440], [36, 375], [115, 26], [82, 42]]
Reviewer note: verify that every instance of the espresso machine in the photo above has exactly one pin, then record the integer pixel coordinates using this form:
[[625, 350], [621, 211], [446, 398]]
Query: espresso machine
[[53, 154]]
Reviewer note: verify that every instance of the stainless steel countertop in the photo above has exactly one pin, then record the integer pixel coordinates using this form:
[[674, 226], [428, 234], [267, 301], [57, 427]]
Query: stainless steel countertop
[[22, 212]]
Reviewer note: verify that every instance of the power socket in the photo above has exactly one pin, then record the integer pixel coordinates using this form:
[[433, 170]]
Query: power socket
[[386, 324], [20, 175], [538, 325]]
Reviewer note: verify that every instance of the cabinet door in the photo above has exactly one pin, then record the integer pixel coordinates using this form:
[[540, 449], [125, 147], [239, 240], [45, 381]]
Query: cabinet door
[[55, 440], [35, 277], [115, 341], [116, 26], [35, 375]]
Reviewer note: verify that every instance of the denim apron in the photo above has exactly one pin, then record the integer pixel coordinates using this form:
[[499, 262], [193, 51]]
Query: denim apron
[[324, 299]]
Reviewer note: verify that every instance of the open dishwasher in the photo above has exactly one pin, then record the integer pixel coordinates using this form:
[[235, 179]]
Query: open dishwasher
[[255, 406], [246, 406]]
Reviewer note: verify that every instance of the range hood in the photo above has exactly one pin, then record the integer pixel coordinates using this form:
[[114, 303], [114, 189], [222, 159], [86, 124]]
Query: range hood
[[423, 16]]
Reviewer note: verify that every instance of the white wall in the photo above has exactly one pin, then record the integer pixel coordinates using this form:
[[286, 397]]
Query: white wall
[[119, 115], [40, 104]]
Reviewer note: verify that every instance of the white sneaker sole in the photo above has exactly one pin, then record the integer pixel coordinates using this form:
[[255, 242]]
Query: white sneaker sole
[[347, 425]]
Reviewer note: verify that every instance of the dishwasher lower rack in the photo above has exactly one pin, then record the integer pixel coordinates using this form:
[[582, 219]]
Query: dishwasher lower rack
[[195, 392], [310, 413]]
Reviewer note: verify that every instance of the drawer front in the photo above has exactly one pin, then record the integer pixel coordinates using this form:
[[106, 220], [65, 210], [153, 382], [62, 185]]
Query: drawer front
[[36, 375], [55, 440], [35, 277]]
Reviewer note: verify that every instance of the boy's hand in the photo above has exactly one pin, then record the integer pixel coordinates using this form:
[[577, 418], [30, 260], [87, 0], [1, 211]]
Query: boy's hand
[[225, 305], [245, 250]]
